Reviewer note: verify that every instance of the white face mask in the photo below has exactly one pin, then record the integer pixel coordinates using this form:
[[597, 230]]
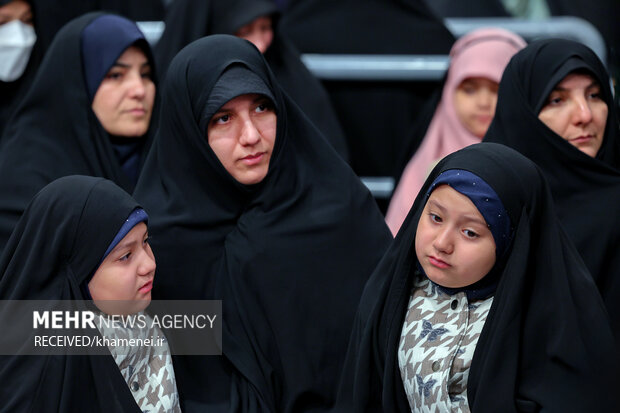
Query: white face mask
[[16, 42]]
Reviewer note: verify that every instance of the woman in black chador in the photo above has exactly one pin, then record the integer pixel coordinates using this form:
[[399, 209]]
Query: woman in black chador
[[249, 207], [555, 106], [88, 112], [256, 21], [481, 303]]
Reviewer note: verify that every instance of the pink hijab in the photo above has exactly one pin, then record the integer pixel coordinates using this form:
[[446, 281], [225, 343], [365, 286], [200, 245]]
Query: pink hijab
[[481, 53]]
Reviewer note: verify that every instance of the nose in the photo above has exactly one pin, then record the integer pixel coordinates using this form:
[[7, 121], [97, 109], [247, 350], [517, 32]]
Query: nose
[[147, 264], [136, 86], [250, 135], [443, 241], [485, 98], [582, 113]]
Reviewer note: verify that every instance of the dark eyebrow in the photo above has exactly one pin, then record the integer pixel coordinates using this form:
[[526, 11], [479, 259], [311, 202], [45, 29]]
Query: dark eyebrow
[[127, 66], [124, 245], [475, 220], [594, 83], [259, 98], [128, 244], [468, 218], [436, 204]]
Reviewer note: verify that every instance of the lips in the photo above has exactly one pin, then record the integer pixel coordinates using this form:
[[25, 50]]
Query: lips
[[136, 111], [436, 262], [253, 159], [484, 118], [582, 139], [146, 287]]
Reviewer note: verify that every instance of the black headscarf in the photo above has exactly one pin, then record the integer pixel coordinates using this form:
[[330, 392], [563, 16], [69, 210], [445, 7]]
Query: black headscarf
[[581, 185], [55, 132], [189, 20], [56, 247], [546, 344], [288, 256], [377, 116]]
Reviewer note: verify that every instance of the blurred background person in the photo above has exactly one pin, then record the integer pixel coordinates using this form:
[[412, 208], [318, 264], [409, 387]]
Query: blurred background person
[[462, 115]]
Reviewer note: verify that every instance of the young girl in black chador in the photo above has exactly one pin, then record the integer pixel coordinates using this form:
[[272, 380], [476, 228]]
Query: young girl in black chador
[[481, 303], [84, 238]]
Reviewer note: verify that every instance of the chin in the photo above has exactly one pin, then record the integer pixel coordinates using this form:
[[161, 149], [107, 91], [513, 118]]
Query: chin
[[133, 131]]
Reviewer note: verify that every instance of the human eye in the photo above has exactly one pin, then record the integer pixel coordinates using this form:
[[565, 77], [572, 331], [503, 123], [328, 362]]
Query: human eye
[[554, 99], [434, 217], [221, 119], [468, 87], [594, 93], [125, 257], [27, 18], [470, 234], [263, 106], [114, 75]]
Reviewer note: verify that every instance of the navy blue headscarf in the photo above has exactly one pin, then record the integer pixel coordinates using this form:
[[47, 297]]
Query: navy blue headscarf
[[103, 41]]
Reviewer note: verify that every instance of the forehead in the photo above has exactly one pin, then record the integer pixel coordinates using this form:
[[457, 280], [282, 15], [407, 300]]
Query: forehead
[[479, 82], [132, 53], [574, 81], [242, 101], [453, 202]]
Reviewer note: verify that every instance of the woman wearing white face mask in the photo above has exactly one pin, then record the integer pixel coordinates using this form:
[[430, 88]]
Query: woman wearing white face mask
[[88, 111], [17, 41]]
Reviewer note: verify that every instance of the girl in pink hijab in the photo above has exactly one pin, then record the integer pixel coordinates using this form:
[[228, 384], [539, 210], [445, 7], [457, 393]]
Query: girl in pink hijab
[[464, 112]]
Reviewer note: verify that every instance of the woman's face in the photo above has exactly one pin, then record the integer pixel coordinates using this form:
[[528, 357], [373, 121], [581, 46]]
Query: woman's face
[[576, 111], [124, 100], [474, 101], [242, 133], [16, 10], [122, 284], [453, 243], [259, 32]]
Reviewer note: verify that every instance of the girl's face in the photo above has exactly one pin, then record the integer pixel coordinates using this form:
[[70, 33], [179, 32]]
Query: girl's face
[[124, 100], [474, 101], [242, 133], [576, 112], [259, 32], [122, 284], [453, 243]]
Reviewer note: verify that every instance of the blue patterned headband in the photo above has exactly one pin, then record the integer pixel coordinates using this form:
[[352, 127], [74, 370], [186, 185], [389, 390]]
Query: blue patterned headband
[[485, 199]]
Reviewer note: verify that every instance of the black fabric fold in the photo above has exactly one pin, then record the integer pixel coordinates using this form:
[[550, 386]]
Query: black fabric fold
[[288, 256]]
